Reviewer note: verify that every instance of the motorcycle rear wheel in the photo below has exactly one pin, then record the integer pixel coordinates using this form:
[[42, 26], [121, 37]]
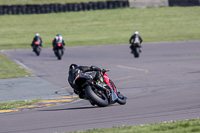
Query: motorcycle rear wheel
[[99, 101], [59, 54], [136, 52], [37, 51]]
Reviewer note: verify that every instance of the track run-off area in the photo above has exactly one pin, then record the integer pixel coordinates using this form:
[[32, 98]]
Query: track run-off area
[[163, 84]]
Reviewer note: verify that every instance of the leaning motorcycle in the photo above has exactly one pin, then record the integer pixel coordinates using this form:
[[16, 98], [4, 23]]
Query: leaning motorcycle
[[100, 92], [37, 48], [59, 51], [135, 49]]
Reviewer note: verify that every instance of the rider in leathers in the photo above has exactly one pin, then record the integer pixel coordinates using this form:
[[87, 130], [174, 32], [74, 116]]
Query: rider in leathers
[[135, 38], [58, 39], [74, 69], [36, 38]]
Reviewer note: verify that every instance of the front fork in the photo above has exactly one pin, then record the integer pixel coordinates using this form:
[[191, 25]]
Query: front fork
[[110, 93]]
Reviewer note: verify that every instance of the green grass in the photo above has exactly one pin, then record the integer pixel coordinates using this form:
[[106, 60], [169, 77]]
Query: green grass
[[15, 104], [9, 69], [96, 28], [187, 126], [102, 26], [23, 2]]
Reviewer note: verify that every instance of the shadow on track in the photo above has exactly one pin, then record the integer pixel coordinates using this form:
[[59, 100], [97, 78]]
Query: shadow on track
[[77, 108]]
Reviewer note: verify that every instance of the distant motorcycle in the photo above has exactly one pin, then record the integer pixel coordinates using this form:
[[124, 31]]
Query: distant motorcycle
[[135, 49], [37, 47], [59, 51], [99, 93]]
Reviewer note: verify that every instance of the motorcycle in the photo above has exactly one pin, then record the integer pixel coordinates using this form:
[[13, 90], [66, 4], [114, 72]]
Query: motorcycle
[[135, 49], [37, 48], [101, 92], [59, 51]]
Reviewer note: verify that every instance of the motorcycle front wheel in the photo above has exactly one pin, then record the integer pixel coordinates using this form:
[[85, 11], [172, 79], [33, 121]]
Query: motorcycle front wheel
[[121, 99], [98, 98]]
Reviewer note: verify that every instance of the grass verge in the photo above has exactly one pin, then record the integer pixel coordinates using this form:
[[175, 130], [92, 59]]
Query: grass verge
[[9, 69], [101, 26], [187, 126], [15, 104]]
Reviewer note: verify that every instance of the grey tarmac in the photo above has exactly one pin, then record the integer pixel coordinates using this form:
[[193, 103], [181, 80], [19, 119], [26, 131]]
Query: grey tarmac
[[28, 88], [162, 85]]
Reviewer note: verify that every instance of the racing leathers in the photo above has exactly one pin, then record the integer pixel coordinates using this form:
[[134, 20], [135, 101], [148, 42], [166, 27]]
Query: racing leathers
[[58, 39], [75, 72], [36, 39], [135, 39]]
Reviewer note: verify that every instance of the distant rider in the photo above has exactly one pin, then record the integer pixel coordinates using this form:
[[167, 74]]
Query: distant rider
[[58, 39], [35, 39], [135, 39]]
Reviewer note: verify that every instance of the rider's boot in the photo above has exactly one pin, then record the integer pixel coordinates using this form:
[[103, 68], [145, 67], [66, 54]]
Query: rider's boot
[[93, 104], [82, 96], [140, 49]]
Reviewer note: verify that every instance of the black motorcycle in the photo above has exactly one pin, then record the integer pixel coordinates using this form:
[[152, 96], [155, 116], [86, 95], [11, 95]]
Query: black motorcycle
[[37, 47], [98, 92], [59, 50], [135, 49]]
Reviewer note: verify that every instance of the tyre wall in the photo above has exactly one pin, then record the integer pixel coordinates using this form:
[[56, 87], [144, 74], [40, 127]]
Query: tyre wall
[[184, 2], [70, 7], [55, 8]]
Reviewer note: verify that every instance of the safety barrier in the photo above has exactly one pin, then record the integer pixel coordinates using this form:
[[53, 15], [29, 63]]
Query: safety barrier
[[184, 2], [70, 7], [55, 8]]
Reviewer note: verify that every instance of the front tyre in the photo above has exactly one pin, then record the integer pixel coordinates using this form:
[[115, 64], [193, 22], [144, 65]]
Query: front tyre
[[121, 99], [137, 53], [99, 99]]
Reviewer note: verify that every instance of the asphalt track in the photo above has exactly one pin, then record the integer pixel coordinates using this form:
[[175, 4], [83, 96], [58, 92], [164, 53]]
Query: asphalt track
[[162, 85]]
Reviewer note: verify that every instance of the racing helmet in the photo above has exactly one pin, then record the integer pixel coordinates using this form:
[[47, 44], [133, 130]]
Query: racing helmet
[[37, 34], [73, 66], [58, 35], [136, 32]]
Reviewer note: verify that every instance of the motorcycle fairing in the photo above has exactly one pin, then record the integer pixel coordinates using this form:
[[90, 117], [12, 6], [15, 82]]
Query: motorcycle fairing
[[113, 96], [108, 81]]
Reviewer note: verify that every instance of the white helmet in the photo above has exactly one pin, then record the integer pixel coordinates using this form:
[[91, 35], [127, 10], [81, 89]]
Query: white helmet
[[59, 39], [37, 34], [136, 32]]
